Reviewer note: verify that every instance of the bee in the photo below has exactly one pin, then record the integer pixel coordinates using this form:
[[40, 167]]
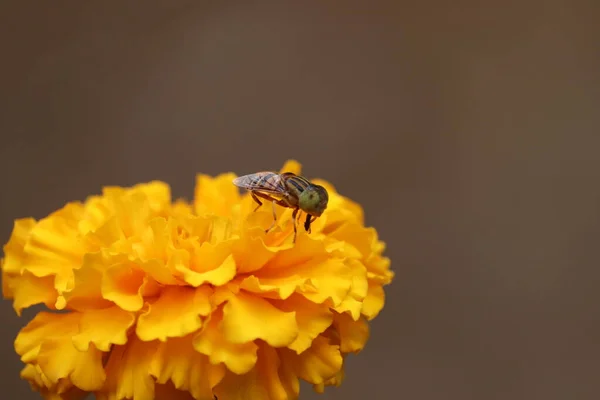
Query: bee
[[287, 190]]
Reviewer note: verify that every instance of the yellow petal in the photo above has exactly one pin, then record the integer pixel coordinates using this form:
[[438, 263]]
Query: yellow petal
[[158, 194], [353, 334], [125, 284], [54, 246], [239, 358], [374, 301], [14, 254], [292, 166], [317, 364], [247, 318], [261, 383], [43, 326], [128, 372], [217, 276], [215, 195], [176, 360], [250, 251], [103, 328], [87, 289], [28, 290], [63, 390], [175, 313], [312, 319], [59, 359], [168, 392], [277, 288], [353, 302]]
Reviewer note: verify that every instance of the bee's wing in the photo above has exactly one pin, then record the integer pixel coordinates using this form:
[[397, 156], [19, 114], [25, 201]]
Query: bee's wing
[[268, 182]]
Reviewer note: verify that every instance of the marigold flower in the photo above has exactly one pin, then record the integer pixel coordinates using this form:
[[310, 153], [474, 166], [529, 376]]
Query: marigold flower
[[170, 300]]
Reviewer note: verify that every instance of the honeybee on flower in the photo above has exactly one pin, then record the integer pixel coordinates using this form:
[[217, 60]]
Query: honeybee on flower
[[286, 190]]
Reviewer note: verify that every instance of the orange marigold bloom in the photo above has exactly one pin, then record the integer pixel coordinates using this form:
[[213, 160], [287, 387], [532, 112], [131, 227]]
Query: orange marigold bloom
[[170, 300]]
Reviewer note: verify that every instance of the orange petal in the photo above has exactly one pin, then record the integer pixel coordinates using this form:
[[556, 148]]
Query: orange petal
[[262, 383], [44, 326], [317, 364], [128, 372], [59, 359], [176, 360], [103, 328], [247, 318], [168, 391], [239, 358], [292, 166], [353, 334], [87, 289], [176, 313], [218, 276], [353, 302], [215, 195], [14, 254], [374, 301], [250, 251], [313, 319], [28, 290], [125, 284]]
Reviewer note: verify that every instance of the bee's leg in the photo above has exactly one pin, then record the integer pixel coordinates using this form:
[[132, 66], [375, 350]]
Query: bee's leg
[[307, 223], [274, 217], [256, 200], [294, 214]]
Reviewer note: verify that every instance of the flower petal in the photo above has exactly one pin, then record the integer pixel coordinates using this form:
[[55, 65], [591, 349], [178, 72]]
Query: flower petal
[[169, 392], [59, 359], [263, 382], [87, 289], [317, 364], [176, 360], [28, 290], [292, 166], [43, 326], [176, 313], [353, 334], [103, 328], [127, 372], [313, 319], [353, 301], [217, 276], [125, 284], [14, 254], [215, 195], [247, 318], [210, 341], [250, 251], [63, 390], [374, 301]]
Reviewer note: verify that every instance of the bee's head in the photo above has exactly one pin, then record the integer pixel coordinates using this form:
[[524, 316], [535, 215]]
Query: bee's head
[[313, 200]]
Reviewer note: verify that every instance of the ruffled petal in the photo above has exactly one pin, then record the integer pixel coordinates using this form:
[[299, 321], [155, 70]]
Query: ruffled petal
[[353, 301], [317, 364], [353, 335], [87, 290], [43, 326], [125, 284], [176, 313], [247, 318], [217, 276], [210, 341], [103, 328], [63, 390], [263, 382], [28, 290], [215, 195], [128, 372], [59, 359], [374, 301], [312, 320], [14, 250], [178, 362]]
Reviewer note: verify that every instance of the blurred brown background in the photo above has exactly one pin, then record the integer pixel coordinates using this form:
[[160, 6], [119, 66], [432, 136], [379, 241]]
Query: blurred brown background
[[469, 132]]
